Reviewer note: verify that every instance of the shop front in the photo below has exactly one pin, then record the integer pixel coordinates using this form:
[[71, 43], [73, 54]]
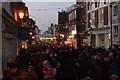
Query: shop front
[[100, 38]]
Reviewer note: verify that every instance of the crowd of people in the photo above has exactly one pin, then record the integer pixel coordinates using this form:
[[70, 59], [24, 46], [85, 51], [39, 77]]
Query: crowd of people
[[60, 62]]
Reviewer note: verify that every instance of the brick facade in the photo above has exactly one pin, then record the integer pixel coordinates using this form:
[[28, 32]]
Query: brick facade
[[96, 18], [89, 20], [106, 15]]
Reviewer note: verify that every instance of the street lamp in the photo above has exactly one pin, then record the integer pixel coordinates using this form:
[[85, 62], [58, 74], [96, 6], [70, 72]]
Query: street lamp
[[91, 31], [21, 14]]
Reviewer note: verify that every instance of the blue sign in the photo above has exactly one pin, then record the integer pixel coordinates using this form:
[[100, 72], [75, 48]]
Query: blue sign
[[87, 34], [23, 33]]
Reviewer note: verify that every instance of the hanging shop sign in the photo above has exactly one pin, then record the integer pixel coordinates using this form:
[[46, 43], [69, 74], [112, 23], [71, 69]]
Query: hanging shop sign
[[23, 33]]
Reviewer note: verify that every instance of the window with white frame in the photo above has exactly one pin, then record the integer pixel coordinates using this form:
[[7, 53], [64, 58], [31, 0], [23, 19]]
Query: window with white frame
[[92, 5], [92, 19], [101, 17]]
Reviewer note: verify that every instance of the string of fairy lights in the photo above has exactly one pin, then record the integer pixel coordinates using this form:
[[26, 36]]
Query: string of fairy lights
[[40, 19], [46, 9], [68, 24]]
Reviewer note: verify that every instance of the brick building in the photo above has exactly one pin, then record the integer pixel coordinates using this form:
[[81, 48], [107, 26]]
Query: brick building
[[62, 28], [77, 22], [98, 18], [81, 23]]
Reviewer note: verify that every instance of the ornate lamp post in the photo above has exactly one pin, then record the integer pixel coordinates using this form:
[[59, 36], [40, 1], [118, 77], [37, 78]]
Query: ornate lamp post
[[23, 32], [91, 31]]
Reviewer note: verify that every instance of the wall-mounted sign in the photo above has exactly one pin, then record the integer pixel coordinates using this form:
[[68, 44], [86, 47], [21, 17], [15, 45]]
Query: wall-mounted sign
[[23, 33]]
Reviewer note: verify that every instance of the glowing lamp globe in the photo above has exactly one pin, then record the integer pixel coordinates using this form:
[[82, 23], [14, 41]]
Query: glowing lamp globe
[[21, 15]]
